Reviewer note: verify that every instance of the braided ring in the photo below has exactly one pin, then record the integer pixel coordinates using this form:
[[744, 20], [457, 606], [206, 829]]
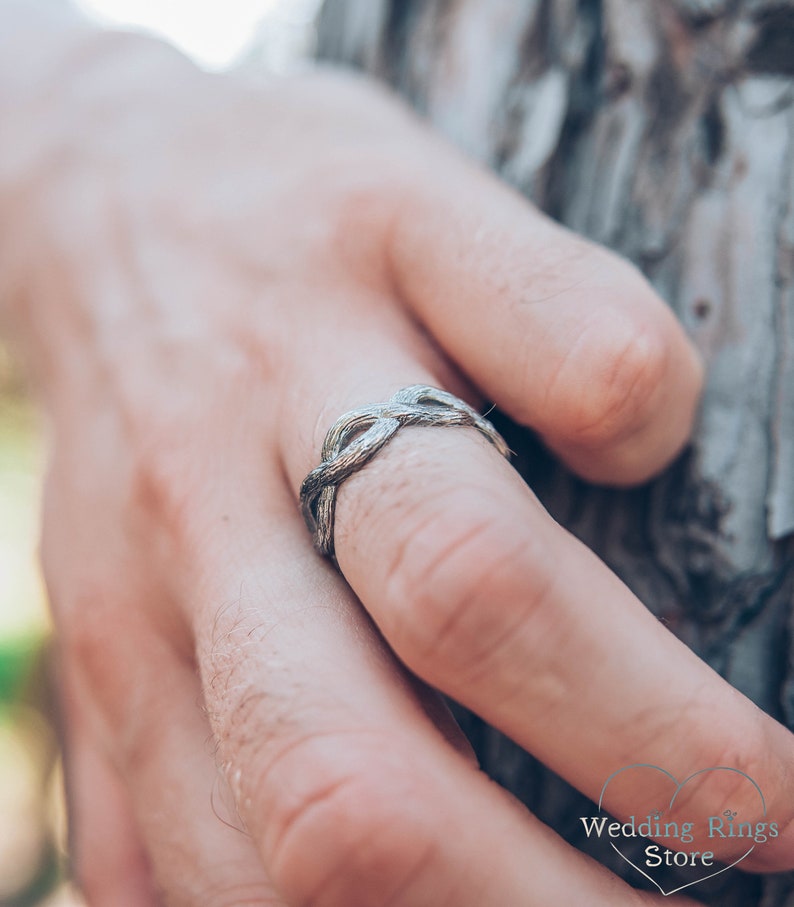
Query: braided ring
[[359, 434]]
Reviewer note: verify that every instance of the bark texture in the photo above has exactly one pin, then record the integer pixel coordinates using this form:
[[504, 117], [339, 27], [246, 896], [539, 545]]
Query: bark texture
[[665, 130]]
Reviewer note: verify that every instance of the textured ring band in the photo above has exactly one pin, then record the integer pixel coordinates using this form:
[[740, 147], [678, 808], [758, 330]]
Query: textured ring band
[[359, 434]]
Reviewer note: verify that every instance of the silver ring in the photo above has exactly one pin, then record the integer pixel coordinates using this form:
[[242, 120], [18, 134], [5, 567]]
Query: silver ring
[[359, 434]]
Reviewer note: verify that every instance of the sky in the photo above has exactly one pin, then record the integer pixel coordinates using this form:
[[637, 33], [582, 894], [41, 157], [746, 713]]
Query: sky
[[215, 33]]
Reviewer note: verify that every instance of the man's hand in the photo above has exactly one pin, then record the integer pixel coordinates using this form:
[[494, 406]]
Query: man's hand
[[207, 276]]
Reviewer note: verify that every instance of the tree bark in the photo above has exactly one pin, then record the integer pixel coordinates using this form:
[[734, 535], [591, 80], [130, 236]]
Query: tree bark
[[665, 130]]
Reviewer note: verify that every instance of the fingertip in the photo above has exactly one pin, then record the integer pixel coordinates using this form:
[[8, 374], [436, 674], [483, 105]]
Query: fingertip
[[625, 407], [776, 854], [565, 336]]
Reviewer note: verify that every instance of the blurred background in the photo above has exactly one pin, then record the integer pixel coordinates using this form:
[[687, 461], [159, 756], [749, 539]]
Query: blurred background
[[268, 36]]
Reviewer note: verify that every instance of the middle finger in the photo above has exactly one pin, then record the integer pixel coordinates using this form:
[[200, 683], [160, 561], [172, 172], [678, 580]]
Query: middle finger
[[342, 776]]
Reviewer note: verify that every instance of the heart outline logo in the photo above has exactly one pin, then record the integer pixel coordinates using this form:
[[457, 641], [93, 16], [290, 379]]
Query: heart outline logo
[[679, 785]]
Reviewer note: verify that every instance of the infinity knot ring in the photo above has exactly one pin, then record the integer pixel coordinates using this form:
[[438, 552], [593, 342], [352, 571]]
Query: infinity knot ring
[[359, 434]]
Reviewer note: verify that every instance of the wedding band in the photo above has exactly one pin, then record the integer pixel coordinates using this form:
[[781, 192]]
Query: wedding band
[[359, 434]]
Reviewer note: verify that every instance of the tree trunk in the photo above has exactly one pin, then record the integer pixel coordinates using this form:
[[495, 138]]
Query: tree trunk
[[665, 130]]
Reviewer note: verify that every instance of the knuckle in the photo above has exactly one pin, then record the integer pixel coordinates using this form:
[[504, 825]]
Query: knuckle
[[366, 208], [92, 883], [341, 837], [161, 489], [450, 573], [738, 777], [90, 639], [100, 876], [237, 894], [115, 683], [728, 781], [623, 359], [170, 486], [336, 821]]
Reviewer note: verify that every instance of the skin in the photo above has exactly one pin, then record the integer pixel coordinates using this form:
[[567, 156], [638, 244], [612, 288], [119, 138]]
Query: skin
[[201, 278]]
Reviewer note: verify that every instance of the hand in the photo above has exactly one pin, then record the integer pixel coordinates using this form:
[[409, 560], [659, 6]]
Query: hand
[[219, 273]]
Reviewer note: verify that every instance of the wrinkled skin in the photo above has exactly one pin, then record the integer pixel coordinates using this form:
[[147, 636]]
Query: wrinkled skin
[[205, 277]]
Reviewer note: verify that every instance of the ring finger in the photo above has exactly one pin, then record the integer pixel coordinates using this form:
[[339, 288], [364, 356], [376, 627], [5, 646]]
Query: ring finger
[[482, 595]]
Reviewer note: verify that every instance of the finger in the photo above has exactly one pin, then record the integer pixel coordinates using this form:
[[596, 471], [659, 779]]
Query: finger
[[352, 793], [148, 705], [562, 334], [109, 860], [485, 597]]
